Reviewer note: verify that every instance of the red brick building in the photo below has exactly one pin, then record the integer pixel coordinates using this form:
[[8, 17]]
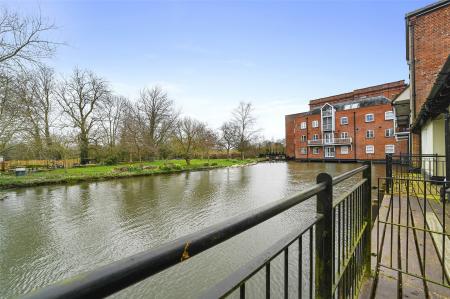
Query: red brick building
[[427, 50], [353, 126]]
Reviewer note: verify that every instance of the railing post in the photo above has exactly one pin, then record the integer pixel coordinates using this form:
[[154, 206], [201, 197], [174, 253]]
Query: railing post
[[367, 174], [388, 171], [324, 239]]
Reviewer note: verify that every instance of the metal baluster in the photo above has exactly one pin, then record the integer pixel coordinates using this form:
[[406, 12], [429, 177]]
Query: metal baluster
[[408, 209], [311, 277], [300, 265], [286, 274], [242, 291], [268, 280], [424, 225]]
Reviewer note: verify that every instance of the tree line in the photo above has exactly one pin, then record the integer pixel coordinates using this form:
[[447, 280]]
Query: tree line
[[47, 116]]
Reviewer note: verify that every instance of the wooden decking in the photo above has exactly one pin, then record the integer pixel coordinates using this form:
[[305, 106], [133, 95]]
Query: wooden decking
[[413, 254]]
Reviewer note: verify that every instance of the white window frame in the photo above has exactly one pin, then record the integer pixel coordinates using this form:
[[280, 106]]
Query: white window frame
[[346, 120], [344, 152], [315, 150], [303, 138], [370, 149], [390, 134], [372, 135], [315, 137], [366, 117], [303, 150], [389, 115], [329, 151], [344, 134], [315, 124], [389, 148], [303, 125]]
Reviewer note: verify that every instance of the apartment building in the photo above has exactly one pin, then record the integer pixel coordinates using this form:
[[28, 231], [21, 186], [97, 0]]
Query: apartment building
[[353, 126]]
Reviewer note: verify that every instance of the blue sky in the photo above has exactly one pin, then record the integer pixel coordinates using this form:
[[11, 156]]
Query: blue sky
[[210, 55]]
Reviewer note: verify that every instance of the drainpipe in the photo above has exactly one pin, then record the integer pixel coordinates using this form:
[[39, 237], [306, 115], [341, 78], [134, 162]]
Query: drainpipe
[[354, 134], [307, 138], [447, 146]]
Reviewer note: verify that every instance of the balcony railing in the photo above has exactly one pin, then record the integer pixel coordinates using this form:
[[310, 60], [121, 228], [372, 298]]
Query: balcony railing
[[331, 141]]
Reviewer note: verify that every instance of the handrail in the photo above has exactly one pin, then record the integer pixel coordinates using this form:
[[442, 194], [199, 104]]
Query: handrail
[[348, 174], [231, 282], [118, 275]]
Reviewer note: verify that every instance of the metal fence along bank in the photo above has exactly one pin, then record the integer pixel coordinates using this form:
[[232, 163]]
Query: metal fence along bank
[[333, 251]]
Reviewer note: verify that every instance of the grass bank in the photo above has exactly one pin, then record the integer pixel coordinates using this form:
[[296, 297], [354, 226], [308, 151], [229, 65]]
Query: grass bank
[[104, 172]]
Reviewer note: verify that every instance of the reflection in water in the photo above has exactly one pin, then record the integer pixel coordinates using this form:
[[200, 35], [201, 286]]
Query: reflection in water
[[50, 233]]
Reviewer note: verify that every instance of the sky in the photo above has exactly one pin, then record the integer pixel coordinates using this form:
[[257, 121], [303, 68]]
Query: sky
[[211, 55]]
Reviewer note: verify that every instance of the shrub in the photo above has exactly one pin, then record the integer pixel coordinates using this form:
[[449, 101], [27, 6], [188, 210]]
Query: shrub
[[111, 160], [205, 164], [214, 164]]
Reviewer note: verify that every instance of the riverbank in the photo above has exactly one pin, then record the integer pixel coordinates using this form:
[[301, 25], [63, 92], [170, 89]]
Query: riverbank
[[104, 172]]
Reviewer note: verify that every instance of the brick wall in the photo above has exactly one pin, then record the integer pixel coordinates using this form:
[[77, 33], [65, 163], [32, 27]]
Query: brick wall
[[356, 129], [429, 49]]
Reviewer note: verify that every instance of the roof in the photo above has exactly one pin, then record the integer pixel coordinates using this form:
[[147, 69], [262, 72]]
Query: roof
[[363, 102], [438, 100], [357, 93], [418, 12]]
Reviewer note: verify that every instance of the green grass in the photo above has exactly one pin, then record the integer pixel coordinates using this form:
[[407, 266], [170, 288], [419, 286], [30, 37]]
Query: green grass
[[94, 173]]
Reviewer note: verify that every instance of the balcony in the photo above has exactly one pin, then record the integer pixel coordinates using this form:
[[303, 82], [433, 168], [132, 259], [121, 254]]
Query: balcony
[[330, 141]]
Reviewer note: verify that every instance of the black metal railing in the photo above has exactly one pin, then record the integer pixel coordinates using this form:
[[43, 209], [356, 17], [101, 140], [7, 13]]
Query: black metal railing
[[413, 234], [342, 225], [431, 166]]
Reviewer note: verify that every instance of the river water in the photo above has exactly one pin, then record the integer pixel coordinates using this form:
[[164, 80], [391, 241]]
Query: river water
[[53, 232]]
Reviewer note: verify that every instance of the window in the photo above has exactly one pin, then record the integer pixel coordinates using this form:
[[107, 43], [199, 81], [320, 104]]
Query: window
[[344, 120], [303, 138], [315, 150], [315, 123], [344, 134], [344, 150], [303, 151], [369, 117], [370, 149], [303, 125], [389, 132], [389, 149], [329, 152], [369, 134], [315, 137], [389, 115]]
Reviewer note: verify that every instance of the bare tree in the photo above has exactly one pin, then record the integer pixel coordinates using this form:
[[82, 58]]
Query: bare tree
[[159, 116], [207, 141], [228, 133], [187, 134], [80, 98], [112, 113], [35, 91], [245, 122], [23, 41], [9, 113], [132, 132]]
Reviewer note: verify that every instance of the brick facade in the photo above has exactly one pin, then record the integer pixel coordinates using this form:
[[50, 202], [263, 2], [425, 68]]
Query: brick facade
[[301, 144], [428, 47]]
